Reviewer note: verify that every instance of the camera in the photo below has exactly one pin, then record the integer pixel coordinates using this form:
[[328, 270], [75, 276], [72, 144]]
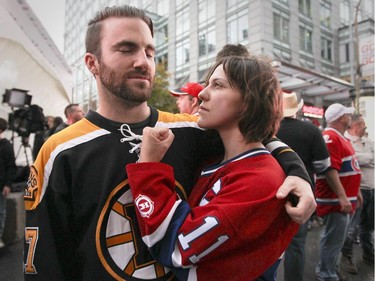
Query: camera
[[28, 118]]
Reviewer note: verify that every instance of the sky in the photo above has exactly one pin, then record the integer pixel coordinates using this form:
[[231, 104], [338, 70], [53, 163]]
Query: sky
[[51, 14]]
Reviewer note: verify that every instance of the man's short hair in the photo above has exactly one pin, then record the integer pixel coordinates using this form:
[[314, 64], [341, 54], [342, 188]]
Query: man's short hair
[[70, 108], [93, 36], [3, 125], [233, 50]]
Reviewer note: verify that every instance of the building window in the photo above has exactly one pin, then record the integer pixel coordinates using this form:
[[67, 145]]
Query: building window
[[235, 3], [182, 22], [281, 27], [325, 13], [207, 41], [206, 11], [238, 28], [305, 37], [163, 7], [326, 49], [304, 7], [182, 54], [161, 35], [284, 2], [368, 9], [344, 12], [180, 3]]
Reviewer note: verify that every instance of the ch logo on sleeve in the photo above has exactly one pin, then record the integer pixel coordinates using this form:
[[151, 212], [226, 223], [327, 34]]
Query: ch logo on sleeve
[[144, 205]]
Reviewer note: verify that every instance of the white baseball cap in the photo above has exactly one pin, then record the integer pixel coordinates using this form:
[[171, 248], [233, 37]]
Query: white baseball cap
[[336, 110]]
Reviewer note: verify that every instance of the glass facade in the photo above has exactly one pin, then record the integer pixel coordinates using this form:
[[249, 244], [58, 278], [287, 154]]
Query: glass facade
[[188, 34]]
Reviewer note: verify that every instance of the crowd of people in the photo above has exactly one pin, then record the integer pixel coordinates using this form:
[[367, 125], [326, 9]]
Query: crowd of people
[[129, 192]]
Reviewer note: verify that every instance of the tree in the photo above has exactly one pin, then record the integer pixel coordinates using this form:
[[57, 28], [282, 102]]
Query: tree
[[161, 98]]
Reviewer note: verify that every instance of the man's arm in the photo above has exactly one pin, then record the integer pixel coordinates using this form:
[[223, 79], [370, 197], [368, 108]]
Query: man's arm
[[333, 180], [44, 234], [297, 185]]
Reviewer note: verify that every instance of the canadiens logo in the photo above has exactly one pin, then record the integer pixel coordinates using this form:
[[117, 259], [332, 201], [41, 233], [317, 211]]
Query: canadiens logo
[[355, 165], [144, 205]]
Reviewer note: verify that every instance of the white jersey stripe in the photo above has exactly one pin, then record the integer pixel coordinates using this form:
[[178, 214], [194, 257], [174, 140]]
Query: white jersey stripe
[[151, 239], [64, 146]]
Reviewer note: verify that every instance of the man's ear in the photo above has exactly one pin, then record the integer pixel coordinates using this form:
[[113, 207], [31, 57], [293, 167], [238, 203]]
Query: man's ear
[[195, 101], [91, 63]]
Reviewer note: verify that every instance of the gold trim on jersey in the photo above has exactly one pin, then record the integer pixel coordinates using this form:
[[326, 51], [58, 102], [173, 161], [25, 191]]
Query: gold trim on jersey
[[170, 120]]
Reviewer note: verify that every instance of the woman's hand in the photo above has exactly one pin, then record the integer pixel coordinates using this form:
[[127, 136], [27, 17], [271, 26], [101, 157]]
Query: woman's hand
[[155, 143]]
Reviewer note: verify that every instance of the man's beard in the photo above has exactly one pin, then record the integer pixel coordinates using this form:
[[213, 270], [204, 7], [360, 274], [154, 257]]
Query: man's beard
[[138, 93]]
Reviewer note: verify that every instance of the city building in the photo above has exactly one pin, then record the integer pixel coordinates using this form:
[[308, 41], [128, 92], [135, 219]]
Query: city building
[[311, 42]]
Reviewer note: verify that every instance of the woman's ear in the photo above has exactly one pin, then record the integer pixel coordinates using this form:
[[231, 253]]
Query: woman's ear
[[91, 63]]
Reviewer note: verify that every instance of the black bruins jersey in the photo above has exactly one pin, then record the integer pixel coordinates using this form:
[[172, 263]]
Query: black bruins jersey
[[80, 217], [81, 222]]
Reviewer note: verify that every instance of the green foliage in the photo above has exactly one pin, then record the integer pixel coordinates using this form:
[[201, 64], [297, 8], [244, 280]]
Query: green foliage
[[161, 98]]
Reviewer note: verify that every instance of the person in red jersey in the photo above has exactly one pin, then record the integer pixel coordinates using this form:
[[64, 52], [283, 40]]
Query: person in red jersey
[[232, 227], [336, 196]]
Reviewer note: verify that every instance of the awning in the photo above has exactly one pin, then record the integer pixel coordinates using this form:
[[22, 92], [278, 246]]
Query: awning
[[312, 84]]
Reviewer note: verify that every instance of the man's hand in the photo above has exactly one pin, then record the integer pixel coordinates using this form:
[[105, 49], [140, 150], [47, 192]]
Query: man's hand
[[306, 201], [155, 143], [346, 205]]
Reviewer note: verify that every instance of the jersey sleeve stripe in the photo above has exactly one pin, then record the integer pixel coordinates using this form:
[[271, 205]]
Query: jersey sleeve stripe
[[64, 146], [153, 238]]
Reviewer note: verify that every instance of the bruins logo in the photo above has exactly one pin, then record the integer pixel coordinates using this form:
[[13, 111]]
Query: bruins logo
[[119, 243], [32, 185]]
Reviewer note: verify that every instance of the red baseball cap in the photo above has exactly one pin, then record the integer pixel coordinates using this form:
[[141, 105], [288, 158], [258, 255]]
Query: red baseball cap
[[191, 88]]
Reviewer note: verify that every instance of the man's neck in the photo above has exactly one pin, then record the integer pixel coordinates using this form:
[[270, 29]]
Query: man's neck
[[338, 128], [124, 112]]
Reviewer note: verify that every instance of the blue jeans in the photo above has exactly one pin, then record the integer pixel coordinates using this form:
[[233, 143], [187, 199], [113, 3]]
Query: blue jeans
[[364, 217], [294, 259], [331, 241], [2, 213]]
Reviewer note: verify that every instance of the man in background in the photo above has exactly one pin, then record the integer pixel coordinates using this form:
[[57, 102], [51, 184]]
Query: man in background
[[336, 196], [364, 215], [7, 174], [307, 141], [73, 113], [187, 98]]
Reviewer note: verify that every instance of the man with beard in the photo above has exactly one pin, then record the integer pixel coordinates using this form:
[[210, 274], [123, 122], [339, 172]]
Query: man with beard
[[80, 217]]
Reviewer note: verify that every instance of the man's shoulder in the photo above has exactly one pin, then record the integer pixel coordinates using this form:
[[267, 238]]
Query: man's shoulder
[[176, 120], [163, 115]]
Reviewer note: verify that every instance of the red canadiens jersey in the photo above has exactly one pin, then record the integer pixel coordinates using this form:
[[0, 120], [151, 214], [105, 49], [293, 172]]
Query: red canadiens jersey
[[232, 228], [344, 160]]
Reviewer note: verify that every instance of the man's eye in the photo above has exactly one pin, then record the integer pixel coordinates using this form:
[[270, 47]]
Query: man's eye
[[150, 54]]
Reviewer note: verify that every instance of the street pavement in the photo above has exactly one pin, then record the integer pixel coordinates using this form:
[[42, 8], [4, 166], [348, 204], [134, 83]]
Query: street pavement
[[11, 261]]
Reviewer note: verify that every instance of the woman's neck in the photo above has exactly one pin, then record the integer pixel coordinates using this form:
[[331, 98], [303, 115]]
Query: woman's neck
[[235, 144]]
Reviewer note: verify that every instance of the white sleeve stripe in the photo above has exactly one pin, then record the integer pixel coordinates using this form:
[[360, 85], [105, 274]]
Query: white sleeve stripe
[[64, 146], [271, 146], [151, 239]]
